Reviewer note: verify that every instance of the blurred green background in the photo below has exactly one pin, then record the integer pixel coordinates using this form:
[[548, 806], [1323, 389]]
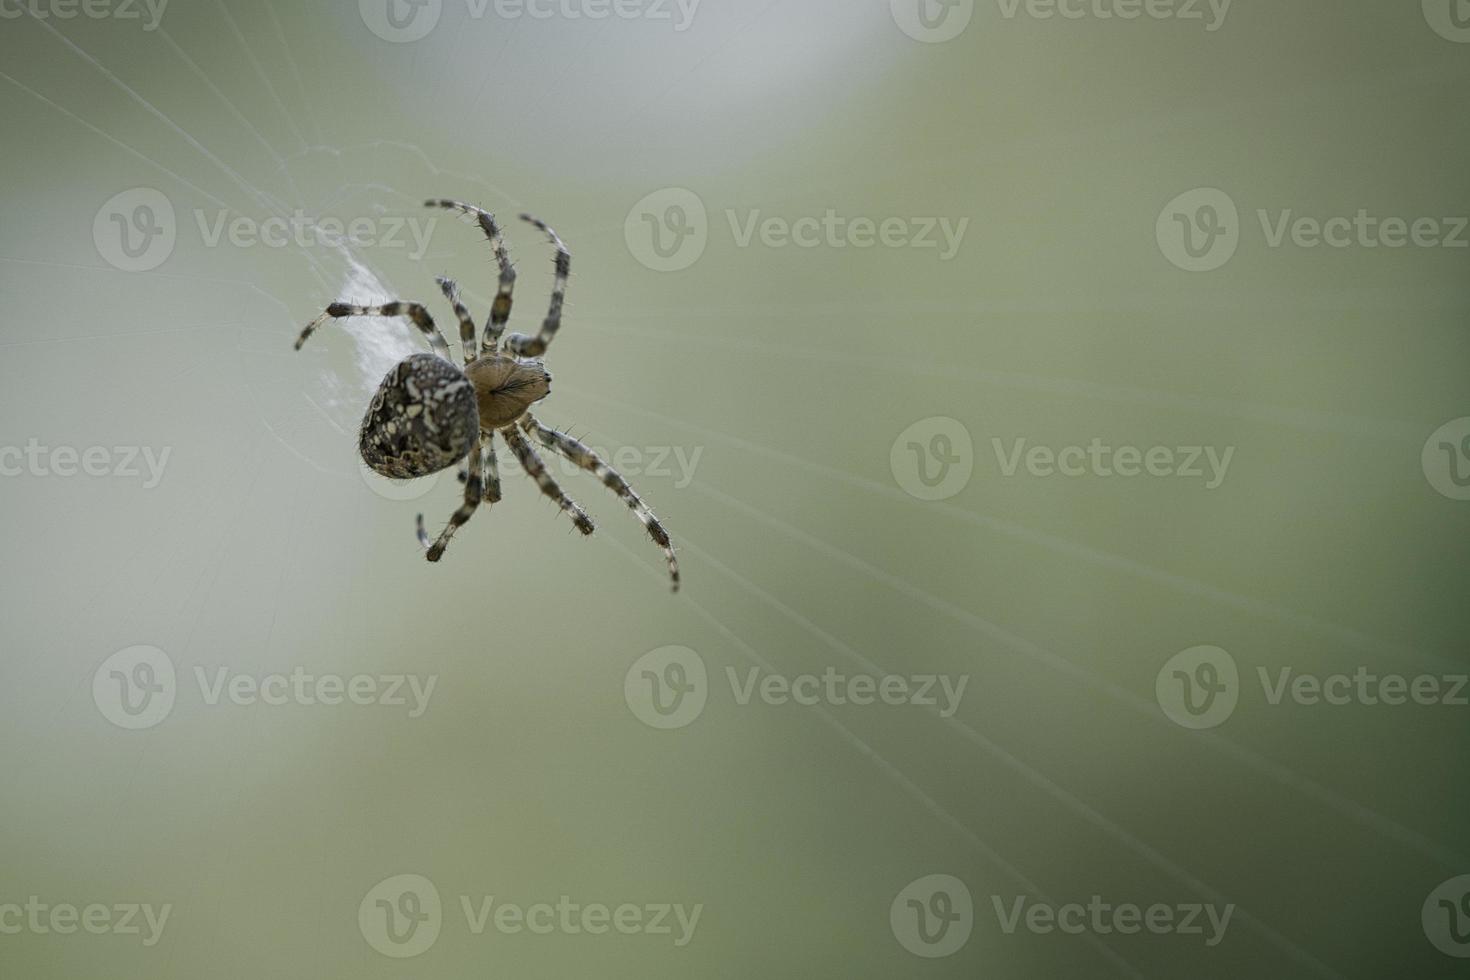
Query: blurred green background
[[799, 384]]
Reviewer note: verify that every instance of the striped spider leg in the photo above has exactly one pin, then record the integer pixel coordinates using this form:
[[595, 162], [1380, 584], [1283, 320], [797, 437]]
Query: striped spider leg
[[505, 292], [520, 344], [472, 493], [579, 454], [535, 468]]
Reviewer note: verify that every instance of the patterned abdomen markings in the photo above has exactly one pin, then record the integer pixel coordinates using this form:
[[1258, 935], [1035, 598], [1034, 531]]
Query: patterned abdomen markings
[[422, 419]]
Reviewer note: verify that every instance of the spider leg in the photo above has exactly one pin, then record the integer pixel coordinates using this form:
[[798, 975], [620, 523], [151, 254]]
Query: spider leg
[[466, 323], [492, 470], [522, 345], [504, 296], [472, 493], [573, 450], [414, 311], [492, 467], [536, 470]]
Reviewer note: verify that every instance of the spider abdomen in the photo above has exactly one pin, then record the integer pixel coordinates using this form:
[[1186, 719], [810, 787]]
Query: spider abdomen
[[505, 387], [422, 419]]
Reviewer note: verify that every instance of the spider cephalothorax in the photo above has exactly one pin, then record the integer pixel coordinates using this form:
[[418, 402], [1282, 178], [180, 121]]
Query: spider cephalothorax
[[506, 386], [429, 413]]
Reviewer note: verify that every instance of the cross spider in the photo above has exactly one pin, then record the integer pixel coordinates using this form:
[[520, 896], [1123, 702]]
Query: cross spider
[[429, 414]]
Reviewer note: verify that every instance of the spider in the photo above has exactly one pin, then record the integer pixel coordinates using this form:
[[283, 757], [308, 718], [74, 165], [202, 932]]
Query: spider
[[429, 413]]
